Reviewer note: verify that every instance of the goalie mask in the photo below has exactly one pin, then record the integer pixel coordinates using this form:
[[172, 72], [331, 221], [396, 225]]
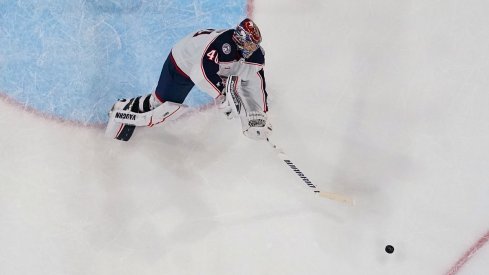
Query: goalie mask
[[247, 37]]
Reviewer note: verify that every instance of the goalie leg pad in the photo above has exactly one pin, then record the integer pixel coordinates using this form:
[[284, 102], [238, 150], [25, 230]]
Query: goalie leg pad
[[119, 130], [233, 103], [125, 132], [122, 123], [167, 111]]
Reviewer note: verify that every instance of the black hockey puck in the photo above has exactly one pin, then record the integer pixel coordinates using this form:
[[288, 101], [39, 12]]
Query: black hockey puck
[[389, 249]]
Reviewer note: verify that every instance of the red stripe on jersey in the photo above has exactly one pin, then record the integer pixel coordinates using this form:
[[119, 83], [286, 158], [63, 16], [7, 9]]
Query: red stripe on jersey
[[176, 66]]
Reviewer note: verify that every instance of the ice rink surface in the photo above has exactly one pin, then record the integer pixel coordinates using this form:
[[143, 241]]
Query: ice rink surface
[[383, 101], [73, 58]]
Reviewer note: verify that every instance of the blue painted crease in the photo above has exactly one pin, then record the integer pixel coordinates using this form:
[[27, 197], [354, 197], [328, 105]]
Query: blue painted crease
[[73, 59]]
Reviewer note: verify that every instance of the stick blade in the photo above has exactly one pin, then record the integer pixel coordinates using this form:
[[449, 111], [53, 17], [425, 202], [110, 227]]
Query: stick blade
[[337, 197]]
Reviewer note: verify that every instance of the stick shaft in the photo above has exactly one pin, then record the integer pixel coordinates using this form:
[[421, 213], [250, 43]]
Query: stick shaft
[[307, 181]]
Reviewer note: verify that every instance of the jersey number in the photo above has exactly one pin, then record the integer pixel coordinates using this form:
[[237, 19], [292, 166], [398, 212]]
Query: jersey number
[[212, 55]]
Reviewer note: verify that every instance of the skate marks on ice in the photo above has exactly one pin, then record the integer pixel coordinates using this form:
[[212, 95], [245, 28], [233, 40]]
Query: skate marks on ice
[[99, 199], [72, 60]]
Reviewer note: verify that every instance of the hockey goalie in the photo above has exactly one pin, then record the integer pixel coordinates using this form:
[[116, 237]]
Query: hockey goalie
[[226, 64]]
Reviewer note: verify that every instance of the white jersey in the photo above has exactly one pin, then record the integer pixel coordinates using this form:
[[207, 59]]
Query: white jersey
[[209, 56]]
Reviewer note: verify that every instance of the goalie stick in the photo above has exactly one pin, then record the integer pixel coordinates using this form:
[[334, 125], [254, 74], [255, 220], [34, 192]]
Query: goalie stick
[[328, 195], [234, 101]]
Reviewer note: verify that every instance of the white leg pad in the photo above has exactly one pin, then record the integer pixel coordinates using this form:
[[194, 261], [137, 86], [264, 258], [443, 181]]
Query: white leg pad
[[113, 129], [168, 111], [165, 112]]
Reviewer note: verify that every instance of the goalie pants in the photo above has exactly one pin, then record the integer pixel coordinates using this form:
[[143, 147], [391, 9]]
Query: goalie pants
[[174, 85]]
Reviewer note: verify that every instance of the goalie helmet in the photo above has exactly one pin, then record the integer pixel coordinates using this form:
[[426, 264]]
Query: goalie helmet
[[247, 37]]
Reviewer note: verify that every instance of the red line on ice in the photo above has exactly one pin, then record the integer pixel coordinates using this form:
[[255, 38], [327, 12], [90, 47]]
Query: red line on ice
[[7, 99], [26, 108], [250, 8], [468, 254]]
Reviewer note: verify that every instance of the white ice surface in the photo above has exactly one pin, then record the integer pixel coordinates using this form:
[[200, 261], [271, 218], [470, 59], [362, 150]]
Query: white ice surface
[[381, 100]]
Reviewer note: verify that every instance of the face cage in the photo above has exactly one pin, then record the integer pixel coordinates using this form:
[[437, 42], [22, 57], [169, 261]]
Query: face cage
[[247, 48]]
